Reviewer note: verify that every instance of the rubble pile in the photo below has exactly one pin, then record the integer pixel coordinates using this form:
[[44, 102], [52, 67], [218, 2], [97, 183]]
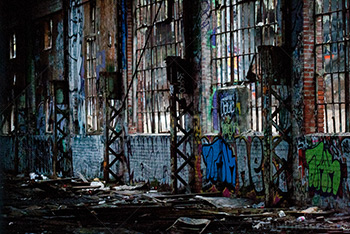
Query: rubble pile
[[38, 204]]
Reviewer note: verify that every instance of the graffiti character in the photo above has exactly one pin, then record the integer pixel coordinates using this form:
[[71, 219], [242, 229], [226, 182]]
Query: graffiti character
[[219, 160]]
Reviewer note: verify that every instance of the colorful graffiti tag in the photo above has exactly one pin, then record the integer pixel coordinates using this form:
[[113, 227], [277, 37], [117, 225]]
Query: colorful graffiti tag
[[324, 165], [240, 165], [324, 172], [220, 162], [233, 115]]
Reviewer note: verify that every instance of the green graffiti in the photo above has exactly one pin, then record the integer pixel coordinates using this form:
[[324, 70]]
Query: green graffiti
[[324, 173], [229, 130]]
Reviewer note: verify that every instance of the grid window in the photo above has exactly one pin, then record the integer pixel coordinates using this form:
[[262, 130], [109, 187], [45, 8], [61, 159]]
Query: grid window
[[48, 34], [91, 91], [238, 28], [166, 39], [332, 64], [92, 103], [13, 46]]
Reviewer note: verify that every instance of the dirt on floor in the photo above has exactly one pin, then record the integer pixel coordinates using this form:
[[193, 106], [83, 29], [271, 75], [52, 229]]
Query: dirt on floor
[[36, 204]]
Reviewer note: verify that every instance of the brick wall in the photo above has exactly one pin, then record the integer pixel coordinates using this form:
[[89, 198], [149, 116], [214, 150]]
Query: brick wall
[[309, 70], [88, 156], [149, 158], [129, 71]]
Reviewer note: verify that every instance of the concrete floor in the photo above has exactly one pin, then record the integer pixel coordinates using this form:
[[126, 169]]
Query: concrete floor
[[72, 206]]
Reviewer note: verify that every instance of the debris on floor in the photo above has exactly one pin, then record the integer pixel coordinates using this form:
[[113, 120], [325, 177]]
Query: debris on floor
[[35, 204]]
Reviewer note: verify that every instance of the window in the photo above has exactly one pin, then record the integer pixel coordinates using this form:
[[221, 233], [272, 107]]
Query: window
[[7, 117], [92, 104], [13, 49], [48, 25], [332, 65], [166, 39], [49, 115], [237, 29]]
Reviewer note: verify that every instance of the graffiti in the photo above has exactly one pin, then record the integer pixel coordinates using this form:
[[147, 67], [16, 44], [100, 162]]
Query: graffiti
[[88, 156], [220, 162], [242, 163], [228, 105], [324, 172], [215, 114], [244, 169], [229, 114], [279, 161], [149, 159], [205, 9], [256, 164], [233, 115], [345, 145], [197, 129], [228, 129]]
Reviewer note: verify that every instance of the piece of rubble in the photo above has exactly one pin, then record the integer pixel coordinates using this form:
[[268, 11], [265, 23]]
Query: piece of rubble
[[190, 225], [310, 210]]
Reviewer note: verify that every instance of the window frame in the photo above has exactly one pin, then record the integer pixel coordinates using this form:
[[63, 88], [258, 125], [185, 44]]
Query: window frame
[[234, 47], [152, 90], [48, 29], [92, 104], [332, 99], [13, 46]]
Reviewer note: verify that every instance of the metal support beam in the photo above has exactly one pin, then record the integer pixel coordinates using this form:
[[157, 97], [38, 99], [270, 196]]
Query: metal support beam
[[113, 131], [276, 107], [181, 124]]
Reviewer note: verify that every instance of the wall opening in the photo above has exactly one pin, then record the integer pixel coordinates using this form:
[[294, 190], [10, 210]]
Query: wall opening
[[163, 20], [332, 65], [237, 29]]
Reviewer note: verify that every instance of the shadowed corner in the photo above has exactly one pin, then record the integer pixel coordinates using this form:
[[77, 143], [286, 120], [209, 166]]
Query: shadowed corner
[[2, 227]]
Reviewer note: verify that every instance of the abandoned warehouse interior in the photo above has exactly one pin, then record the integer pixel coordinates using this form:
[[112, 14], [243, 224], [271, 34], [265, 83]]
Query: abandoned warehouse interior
[[245, 99]]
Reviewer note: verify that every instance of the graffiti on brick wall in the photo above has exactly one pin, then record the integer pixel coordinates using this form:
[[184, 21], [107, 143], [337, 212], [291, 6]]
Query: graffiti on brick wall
[[324, 164], [345, 146], [214, 109], [229, 114], [88, 156], [324, 171], [256, 164], [239, 165], [232, 114], [220, 161], [149, 159]]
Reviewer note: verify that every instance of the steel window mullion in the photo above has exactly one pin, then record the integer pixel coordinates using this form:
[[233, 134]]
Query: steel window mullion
[[345, 24]]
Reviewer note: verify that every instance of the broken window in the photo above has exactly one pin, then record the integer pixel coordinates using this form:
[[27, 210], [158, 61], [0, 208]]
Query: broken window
[[332, 65], [13, 47], [48, 25], [162, 22], [92, 104], [237, 29]]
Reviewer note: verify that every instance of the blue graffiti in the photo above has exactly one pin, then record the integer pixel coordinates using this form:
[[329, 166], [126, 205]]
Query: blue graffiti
[[220, 162]]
